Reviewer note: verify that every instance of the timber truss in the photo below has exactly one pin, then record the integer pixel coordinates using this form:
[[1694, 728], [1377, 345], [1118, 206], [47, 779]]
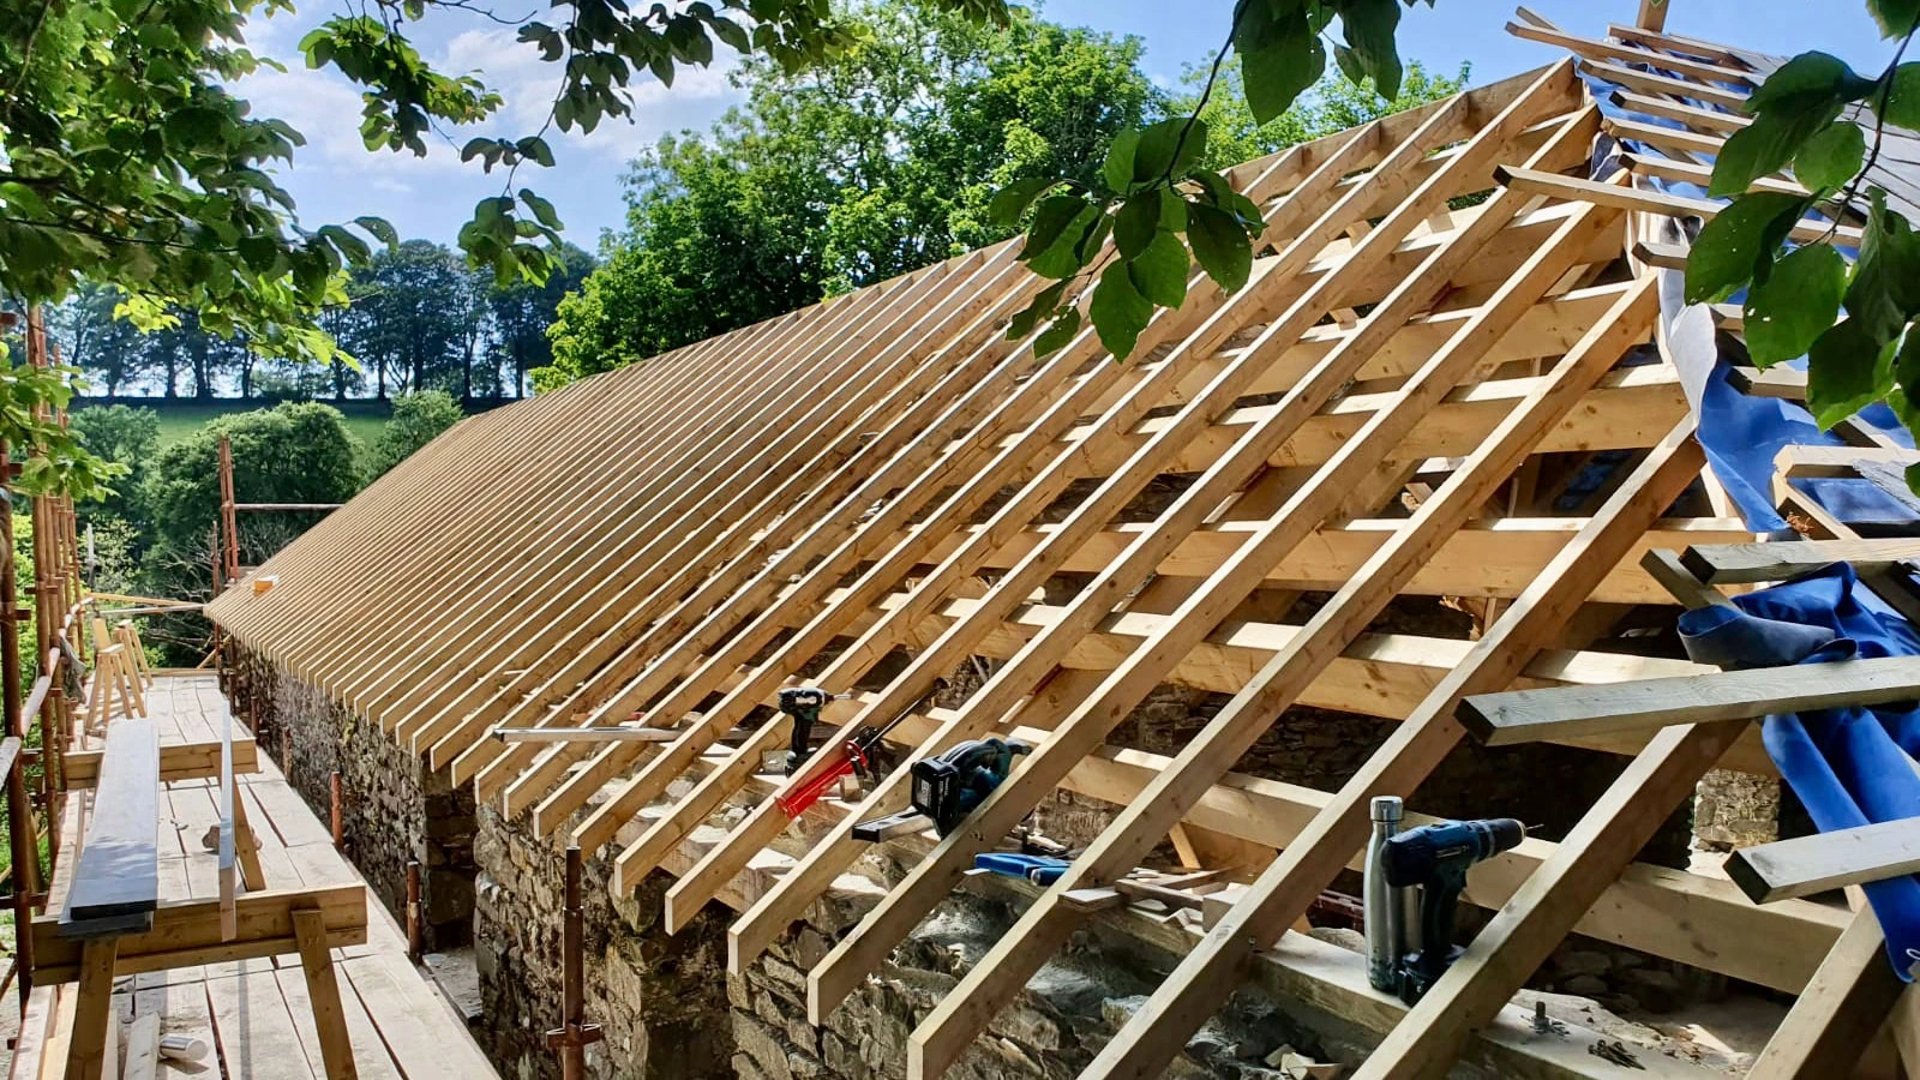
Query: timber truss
[[1443, 380]]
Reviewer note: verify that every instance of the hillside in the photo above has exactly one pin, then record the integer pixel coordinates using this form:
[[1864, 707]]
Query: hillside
[[180, 416]]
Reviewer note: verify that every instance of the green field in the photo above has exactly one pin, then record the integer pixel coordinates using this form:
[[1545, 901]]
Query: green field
[[181, 418], [178, 419]]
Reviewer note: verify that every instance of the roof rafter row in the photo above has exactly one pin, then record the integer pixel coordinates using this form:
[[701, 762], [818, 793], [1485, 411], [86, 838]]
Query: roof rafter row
[[1409, 397]]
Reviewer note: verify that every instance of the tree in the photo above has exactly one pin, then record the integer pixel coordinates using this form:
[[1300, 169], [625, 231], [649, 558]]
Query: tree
[[414, 303], [108, 349], [521, 314], [294, 452], [1333, 104], [880, 160], [125, 435], [128, 163], [418, 418], [118, 432], [1156, 198], [181, 349]]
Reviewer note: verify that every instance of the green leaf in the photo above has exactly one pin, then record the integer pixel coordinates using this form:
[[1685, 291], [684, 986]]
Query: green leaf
[[1798, 303], [379, 229], [1903, 98], [542, 209], [552, 45], [1276, 74], [1173, 211], [1369, 27], [1062, 258], [1884, 293], [1764, 147], [1169, 148], [259, 252], [1895, 17], [1256, 23], [1058, 333], [1137, 221], [536, 148], [1055, 213], [1043, 305], [1118, 310], [1796, 101], [1808, 82], [1160, 271], [730, 32], [1733, 243], [194, 126], [1118, 168], [351, 247], [1905, 398], [1220, 245], [1832, 156], [1096, 235], [1012, 201], [1349, 65], [1847, 370], [318, 46]]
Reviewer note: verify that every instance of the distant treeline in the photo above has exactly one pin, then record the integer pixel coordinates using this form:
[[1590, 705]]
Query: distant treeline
[[418, 319], [351, 407]]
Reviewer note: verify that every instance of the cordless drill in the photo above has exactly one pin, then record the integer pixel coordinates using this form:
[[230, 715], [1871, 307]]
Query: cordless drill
[[803, 703], [1436, 858]]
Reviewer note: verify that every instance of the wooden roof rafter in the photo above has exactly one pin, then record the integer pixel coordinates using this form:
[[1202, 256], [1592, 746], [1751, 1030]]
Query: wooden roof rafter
[[1044, 560], [906, 692], [946, 478]]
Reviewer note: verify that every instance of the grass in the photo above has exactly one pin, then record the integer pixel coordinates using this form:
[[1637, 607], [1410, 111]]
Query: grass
[[179, 419]]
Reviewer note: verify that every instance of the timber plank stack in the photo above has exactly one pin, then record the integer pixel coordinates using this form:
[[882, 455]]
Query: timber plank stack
[[1416, 395]]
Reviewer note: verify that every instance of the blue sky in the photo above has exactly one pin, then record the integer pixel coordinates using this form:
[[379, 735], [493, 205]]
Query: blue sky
[[334, 178]]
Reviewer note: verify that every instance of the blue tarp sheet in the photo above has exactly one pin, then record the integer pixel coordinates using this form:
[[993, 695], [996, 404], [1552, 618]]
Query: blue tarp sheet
[[1850, 767]]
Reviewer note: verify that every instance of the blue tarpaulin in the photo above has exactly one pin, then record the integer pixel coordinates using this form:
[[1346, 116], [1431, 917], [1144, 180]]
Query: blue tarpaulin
[[1851, 766]]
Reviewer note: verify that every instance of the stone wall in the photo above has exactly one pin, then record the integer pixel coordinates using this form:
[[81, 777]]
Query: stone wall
[[393, 809], [1736, 810], [1053, 1029], [669, 1010], [660, 999]]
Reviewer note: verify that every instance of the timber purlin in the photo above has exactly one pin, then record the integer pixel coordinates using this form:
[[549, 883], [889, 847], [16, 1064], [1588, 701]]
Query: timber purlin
[[1415, 395]]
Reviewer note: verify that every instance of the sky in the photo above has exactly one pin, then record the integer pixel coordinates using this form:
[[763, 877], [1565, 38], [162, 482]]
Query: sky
[[334, 178]]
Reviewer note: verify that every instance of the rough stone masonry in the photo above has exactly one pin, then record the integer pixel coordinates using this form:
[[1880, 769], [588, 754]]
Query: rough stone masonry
[[669, 1010], [395, 811]]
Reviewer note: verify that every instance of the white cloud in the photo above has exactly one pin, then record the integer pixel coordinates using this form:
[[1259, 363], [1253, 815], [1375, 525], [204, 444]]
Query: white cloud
[[527, 85], [335, 168]]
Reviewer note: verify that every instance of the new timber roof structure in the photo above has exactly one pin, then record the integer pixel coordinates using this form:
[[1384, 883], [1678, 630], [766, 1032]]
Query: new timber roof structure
[[1416, 394]]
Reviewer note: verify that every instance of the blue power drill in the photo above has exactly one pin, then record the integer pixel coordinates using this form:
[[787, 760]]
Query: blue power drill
[[1435, 858], [950, 785]]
